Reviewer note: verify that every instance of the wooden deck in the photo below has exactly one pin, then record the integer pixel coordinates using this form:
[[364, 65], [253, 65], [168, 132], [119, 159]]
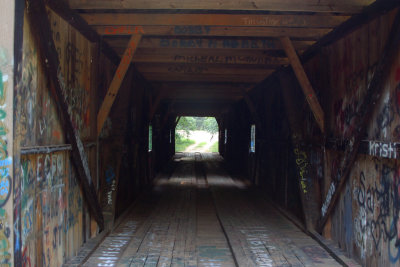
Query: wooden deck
[[200, 216]]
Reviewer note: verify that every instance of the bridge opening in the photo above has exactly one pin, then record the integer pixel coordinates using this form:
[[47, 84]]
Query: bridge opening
[[197, 134]]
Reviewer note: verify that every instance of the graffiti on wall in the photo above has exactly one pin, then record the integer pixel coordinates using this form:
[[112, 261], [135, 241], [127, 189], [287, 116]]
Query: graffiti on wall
[[51, 207], [5, 165], [74, 76], [302, 166], [376, 221], [381, 149]]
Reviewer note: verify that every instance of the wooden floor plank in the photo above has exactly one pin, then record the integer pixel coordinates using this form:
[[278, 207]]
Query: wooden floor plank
[[200, 216]]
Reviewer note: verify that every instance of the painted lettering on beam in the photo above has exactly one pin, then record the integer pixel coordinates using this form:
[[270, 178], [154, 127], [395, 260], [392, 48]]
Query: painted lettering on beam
[[234, 59], [187, 69], [270, 21], [218, 43], [115, 30], [331, 191], [384, 150], [192, 29]]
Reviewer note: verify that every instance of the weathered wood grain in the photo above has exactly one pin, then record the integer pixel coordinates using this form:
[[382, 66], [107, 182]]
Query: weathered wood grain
[[307, 21], [305, 84], [270, 5], [362, 120], [305, 34], [117, 80], [49, 58], [221, 44]]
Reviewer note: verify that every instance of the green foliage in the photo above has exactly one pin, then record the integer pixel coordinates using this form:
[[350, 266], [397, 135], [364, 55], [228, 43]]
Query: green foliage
[[214, 147], [181, 144], [208, 124], [186, 124], [200, 145]]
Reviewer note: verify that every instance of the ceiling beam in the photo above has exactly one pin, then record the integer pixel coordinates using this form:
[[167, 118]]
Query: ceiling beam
[[117, 81], [211, 57], [207, 43], [305, 84], [305, 21], [200, 69], [227, 86], [345, 6], [304, 33], [181, 77]]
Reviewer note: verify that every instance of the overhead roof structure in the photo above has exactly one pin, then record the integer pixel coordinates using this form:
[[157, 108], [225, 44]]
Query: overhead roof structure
[[209, 53]]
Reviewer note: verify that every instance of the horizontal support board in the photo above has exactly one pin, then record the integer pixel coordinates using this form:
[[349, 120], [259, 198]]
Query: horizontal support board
[[200, 95], [347, 6], [207, 43], [305, 34], [319, 21], [202, 86], [167, 77], [199, 69], [209, 57]]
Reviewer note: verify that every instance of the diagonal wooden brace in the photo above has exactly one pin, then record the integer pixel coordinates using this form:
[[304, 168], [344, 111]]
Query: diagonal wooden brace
[[304, 82], [117, 81], [51, 64]]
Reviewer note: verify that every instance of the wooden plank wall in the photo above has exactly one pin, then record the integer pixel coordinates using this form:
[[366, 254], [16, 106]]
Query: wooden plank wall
[[50, 212], [365, 222], [54, 220], [9, 18], [272, 167]]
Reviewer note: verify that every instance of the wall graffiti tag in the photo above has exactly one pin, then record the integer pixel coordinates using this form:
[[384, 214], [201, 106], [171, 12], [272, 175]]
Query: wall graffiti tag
[[302, 166]]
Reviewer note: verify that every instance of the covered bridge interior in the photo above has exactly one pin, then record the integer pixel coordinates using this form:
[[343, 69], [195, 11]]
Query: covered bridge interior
[[84, 85]]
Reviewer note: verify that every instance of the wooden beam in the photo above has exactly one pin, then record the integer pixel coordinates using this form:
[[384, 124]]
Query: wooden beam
[[116, 81], [209, 57], [307, 189], [76, 21], [205, 96], [51, 64], [202, 69], [166, 115], [307, 21], [182, 77], [155, 104], [177, 121], [188, 86], [257, 5], [206, 43], [305, 84], [253, 111], [377, 8], [305, 34], [362, 119], [79, 24]]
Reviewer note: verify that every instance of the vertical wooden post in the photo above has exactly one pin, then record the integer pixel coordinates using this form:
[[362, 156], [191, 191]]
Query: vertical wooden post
[[306, 183]]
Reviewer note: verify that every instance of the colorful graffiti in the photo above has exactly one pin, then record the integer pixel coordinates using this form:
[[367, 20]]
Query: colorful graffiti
[[51, 207], [302, 166], [73, 77], [376, 222], [5, 165]]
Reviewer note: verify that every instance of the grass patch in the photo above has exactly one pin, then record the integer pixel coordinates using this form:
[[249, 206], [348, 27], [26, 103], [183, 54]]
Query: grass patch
[[200, 145], [214, 147], [182, 144]]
